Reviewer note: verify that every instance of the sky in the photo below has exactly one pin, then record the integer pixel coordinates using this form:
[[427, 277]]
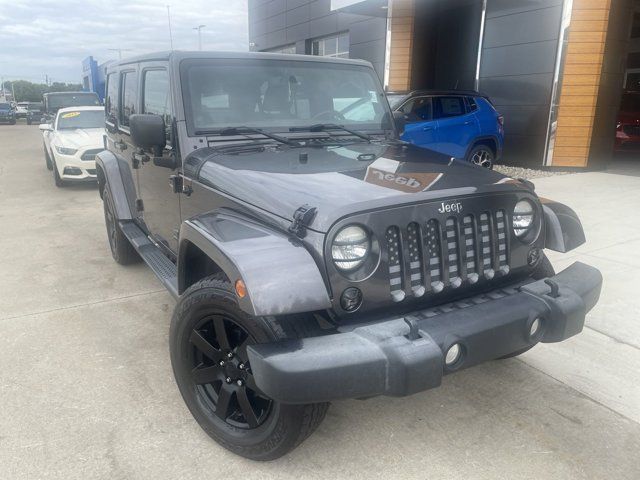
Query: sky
[[44, 37]]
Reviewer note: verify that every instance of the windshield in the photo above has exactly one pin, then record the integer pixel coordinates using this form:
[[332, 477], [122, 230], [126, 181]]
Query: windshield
[[281, 94], [62, 100], [5, 106], [81, 119]]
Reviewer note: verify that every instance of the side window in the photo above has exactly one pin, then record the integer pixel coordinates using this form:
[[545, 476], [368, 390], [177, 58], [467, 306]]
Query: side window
[[472, 106], [446, 107], [156, 96], [418, 109], [129, 97], [111, 99]]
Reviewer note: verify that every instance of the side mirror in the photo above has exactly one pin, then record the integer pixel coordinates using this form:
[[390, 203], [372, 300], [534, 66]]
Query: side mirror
[[45, 127], [148, 132], [400, 120]]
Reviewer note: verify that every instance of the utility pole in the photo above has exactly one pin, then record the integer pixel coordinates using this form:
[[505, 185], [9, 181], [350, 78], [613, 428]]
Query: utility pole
[[170, 34], [199, 29], [13, 92], [119, 50]]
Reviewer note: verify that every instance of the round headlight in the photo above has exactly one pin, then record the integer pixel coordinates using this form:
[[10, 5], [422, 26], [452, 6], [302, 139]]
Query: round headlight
[[523, 216], [350, 248]]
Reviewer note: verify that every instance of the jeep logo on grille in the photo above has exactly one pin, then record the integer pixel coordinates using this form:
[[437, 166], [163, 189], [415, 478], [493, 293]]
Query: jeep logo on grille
[[450, 207]]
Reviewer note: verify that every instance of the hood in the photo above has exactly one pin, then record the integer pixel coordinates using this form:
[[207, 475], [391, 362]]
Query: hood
[[81, 138], [343, 180]]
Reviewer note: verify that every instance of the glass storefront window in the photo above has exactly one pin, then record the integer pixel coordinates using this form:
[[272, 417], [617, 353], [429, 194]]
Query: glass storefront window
[[333, 46]]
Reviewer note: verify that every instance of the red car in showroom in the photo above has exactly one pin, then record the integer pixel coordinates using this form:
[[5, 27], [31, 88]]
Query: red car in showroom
[[628, 123]]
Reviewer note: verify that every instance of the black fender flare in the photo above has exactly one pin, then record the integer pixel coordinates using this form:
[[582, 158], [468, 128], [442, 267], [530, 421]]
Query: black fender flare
[[563, 230], [121, 186], [280, 275]]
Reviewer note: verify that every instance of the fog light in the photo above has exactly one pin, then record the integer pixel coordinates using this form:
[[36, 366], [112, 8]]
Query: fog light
[[351, 299], [453, 354], [535, 327]]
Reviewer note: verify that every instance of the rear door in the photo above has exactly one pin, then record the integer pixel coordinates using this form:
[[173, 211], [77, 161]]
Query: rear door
[[457, 126], [161, 212], [420, 128]]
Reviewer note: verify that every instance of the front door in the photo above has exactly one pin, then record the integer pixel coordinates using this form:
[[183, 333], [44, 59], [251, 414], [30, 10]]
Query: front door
[[160, 205], [457, 127], [420, 128]]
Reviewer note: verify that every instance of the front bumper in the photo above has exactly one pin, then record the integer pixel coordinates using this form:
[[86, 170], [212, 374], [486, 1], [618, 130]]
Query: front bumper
[[402, 356], [73, 168]]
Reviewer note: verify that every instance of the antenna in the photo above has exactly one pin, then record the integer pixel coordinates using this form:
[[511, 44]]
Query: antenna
[[170, 34]]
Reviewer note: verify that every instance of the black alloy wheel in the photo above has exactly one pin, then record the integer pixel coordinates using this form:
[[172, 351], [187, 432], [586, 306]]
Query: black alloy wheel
[[222, 374]]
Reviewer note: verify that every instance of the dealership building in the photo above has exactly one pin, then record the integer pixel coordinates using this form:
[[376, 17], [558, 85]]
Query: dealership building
[[555, 69]]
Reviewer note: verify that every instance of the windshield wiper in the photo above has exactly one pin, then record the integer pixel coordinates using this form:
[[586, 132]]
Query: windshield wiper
[[243, 130], [323, 127]]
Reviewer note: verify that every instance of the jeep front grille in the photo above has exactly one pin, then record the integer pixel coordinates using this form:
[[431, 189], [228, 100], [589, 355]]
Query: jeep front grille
[[434, 255]]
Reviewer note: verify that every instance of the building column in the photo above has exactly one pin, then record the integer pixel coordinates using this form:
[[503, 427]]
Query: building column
[[591, 83], [399, 45]]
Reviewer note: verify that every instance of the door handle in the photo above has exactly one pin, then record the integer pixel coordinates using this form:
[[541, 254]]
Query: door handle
[[426, 129], [468, 122]]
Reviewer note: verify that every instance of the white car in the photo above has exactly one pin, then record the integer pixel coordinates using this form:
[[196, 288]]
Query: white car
[[72, 142], [21, 109]]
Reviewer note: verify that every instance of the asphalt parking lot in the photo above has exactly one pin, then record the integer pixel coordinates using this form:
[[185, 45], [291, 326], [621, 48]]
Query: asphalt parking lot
[[86, 389]]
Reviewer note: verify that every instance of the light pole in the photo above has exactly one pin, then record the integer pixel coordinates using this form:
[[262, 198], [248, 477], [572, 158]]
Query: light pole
[[199, 29]]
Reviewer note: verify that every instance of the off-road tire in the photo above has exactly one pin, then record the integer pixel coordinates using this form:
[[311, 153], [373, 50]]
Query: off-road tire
[[544, 270], [121, 249], [285, 426], [488, 156], [47, 158]]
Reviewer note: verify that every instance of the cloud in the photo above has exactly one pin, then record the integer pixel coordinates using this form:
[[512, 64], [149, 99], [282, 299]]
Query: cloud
[[53, 37]]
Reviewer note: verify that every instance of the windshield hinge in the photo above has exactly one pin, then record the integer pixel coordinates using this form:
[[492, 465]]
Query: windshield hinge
[[302, 217]]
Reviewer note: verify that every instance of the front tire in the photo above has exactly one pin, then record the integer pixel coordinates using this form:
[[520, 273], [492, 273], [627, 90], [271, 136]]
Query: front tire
[[47, 158], [56, 175], [482, 156], [121, 249], [208, 338]]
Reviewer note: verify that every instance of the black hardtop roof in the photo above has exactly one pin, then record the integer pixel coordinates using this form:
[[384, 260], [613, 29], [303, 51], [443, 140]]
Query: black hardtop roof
[[179, 55]]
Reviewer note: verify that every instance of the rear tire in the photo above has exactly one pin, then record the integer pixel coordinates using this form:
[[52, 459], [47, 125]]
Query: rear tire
[[208, 326], [121, 249], [542, 271], [482, 156]]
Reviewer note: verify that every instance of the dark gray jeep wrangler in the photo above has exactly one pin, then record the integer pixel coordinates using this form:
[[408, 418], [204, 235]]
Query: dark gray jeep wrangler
[[313, 255]]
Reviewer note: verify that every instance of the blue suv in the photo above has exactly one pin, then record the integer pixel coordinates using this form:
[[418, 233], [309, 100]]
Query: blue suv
[[458, 123]]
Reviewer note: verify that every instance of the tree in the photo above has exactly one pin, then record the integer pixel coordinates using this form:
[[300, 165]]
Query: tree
[[32, 92]]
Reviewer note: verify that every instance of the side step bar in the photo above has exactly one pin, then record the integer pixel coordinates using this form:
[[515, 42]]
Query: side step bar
[[165, 269]]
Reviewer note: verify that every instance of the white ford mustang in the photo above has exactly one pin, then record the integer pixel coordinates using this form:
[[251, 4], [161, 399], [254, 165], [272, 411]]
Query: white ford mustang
[[72, 142]]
